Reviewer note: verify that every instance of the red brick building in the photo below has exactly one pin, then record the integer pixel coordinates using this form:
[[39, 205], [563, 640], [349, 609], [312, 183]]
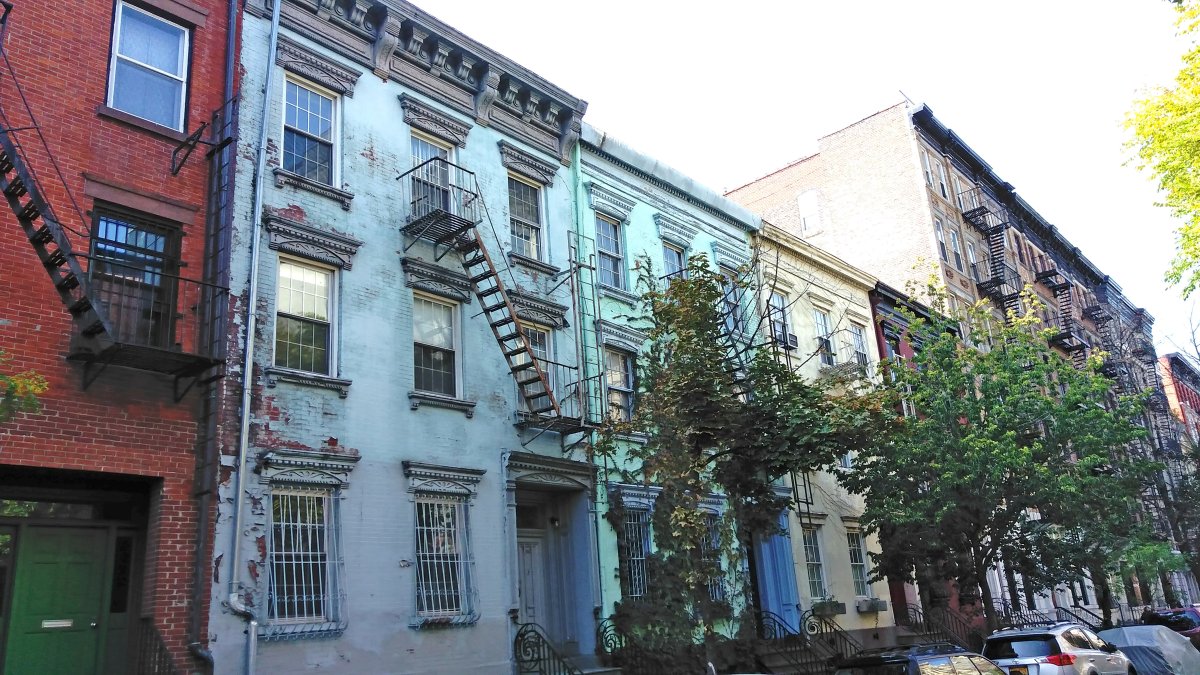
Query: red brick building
[[1181, 382], [113, 258]]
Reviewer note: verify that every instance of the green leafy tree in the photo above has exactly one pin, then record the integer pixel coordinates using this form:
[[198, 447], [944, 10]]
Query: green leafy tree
[[720, 415], [1015, 456], [1166, 137], [18, 392]]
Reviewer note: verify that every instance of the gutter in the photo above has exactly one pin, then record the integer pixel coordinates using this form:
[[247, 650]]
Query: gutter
[[234, 600]]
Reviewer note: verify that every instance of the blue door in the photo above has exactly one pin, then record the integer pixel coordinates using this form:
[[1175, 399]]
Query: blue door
[[777, 574]]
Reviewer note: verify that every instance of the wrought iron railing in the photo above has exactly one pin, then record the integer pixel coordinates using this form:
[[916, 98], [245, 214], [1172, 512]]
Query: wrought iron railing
[[943, 624], [982, 211], [536, 656], [1080, 615], [789, 644], [827, 635], [152, 656], [437, 187]]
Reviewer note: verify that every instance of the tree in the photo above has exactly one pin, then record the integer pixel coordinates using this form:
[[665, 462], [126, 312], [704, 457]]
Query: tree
[[18, 392], [1166, 136], [720, 414], [1015, 456]]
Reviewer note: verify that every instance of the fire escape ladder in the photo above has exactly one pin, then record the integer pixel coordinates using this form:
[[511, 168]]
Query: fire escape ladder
[[49, 240]]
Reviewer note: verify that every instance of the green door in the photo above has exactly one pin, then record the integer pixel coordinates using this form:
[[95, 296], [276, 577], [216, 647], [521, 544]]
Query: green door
[[57, 600]]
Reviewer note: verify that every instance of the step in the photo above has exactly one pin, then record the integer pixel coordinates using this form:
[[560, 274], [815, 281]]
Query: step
[[527, 382], [15, 188], [482, 277], [43, 235], [471, 262], [492, 308], [484, 292], [502, 321], [522, 366], [80, 306], [67, 282], [30, 212], [6, 164], [514, 352], [94, 328], [56, 259]]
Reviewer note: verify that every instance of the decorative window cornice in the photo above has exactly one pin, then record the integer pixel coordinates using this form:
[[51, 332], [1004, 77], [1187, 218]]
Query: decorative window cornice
[[302, 240], [644, 496], [425, 118], [436, 279], [308, 468], [300, 60], [442, 481], [729, 255], [676, 231], [539, 310], [524, 467], [622, 337], [520, 162], [608, 202]]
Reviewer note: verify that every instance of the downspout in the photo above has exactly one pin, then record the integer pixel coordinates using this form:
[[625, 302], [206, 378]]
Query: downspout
[[235, 600], [196, 642]]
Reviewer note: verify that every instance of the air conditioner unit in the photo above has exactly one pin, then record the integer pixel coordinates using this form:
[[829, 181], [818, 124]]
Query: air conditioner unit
[[787, 340], [870, 605]]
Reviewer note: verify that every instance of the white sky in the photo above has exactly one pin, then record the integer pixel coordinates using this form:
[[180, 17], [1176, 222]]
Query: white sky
[[727, 92]]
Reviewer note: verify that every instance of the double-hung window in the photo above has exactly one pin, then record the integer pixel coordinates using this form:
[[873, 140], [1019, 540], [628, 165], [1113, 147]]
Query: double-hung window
[[444, 584], [941, 239], [612, 257], [956, 248], [731, 302], [814, 567], [824, 339], [777, 311], [303, 308], [309, 132], [148, 72], [539, 338], [430, 186], [435, 346], [525, 218], [674, 264], [942, 182], [303, 557], [712, 556], [858, 563], [132, 273], [858, 340], [618, 366], [928, 171], [975, 271], [635, 548], [958, 194]]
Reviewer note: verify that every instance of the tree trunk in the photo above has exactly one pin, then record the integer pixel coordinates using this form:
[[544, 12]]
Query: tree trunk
[[1104, 596], [985, 593]]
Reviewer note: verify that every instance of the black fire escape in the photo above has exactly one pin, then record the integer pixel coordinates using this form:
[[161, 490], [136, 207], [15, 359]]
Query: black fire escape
[[996, 279], [1067, 334]]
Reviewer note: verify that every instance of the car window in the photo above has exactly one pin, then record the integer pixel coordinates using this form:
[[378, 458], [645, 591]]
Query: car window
[[1177, 621], [986, 667], [1020, 647], [938, 666], [963, 665], [1077, 639], [1097, 641]]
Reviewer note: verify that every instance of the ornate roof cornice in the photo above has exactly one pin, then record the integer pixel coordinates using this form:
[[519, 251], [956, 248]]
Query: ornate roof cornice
[[296, 238], [302, 61], [520, 162], [425, 118], [436, 279], [608, 202]]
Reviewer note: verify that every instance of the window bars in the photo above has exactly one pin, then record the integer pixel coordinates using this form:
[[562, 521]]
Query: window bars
[[303, 562], [635, 548], [712, 555], [444, 584]]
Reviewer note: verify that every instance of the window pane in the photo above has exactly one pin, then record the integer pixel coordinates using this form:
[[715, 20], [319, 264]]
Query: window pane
[[147, 94], [299, 558], [433, 323], [523, 201], [309, 112], [434, 370], [304, 291], [672, 260], [858, 563], [812, 556], [611, 272], [608, 237], [151, 41]]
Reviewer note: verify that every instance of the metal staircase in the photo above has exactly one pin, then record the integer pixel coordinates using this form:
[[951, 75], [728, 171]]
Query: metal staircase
[[1067, 335], [998, 280], [446, 209]]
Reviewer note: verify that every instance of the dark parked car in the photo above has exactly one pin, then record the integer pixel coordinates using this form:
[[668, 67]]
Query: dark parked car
[[1185, 621], [932, 659]]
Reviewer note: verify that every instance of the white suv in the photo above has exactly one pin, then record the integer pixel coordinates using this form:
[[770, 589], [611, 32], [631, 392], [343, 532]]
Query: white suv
[[1055, 649]]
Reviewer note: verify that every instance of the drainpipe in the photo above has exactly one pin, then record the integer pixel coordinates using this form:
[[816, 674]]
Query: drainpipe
[[235, 600]]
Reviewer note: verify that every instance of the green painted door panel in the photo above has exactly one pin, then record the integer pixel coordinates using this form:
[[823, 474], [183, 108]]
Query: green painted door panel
[[57, 602]]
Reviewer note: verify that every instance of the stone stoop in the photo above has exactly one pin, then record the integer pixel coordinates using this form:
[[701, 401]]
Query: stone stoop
[[589, 665]]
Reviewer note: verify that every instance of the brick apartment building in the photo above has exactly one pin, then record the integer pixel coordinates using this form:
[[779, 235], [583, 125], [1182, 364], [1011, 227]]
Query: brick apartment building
[[901, 195], [111, 288], [1181, 383]]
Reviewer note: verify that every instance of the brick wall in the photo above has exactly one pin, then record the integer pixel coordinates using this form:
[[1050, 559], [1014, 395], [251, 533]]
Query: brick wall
[[126, 422]]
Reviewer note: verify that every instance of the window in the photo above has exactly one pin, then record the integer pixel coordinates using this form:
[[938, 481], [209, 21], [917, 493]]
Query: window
[[975, 271], [612, 260], [956, 248], [928, 170], [303, 573], [809, 207], [525, 218], [942, 181], [443, 558], [435, 344], [824, 343], [941, 239], [958, 194], [858, 339], [635, 548], [308, 132], [858, 563], [539, 347], [896, 360], [846, 461], [777, 310], [812, 557], [712, 556], [731, 302], [133, 260], [618, 366], [302, 311], [148, 72], [430, 176], [674, 264]]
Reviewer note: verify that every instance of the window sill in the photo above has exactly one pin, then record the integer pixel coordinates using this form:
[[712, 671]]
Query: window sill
[[284, 177], [302, 631], [620, 295], [418, 398], [532, 263], [166, 133], [276, 375], [640, 439], [453, 621]]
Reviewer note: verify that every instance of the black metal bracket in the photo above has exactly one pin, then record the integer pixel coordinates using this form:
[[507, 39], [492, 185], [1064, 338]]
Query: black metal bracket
[[192, 381], [91, 372], [7, 8], [189, 145]]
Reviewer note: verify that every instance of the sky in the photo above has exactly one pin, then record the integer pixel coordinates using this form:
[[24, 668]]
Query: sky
[[728, 92]]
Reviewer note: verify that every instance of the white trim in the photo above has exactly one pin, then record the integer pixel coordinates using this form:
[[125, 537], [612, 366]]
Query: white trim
[[332, 308], [456, 336], [335, 126], [115, 56]]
